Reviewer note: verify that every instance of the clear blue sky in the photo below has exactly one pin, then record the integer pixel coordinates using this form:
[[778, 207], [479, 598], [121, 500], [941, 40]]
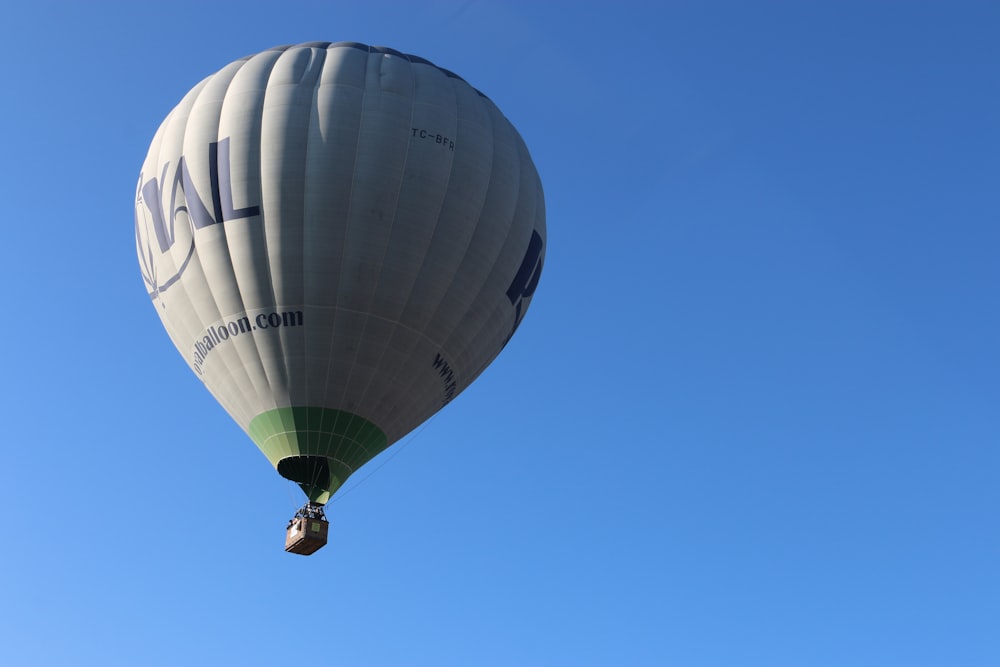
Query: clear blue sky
[[751, 419]]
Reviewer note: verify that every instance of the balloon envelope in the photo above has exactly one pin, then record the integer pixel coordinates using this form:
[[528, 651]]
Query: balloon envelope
[[338, 239]]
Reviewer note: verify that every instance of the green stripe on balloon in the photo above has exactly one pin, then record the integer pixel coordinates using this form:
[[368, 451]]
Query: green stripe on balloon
[[318, 448]]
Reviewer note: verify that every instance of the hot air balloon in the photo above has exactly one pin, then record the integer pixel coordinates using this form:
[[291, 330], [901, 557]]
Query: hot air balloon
[[338, 239]]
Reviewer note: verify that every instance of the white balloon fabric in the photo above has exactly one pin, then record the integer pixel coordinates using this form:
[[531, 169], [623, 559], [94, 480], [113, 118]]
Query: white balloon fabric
[[338, 239]]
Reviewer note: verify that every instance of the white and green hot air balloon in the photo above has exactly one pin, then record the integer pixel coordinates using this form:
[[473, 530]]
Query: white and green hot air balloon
[[338, 238]]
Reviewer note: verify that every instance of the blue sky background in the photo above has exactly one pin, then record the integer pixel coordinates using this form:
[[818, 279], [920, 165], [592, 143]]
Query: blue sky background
[[750, 420]]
